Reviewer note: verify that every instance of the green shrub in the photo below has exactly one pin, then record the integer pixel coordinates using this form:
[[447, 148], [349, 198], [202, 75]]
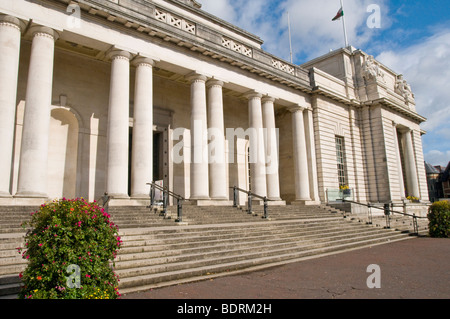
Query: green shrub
[[70, 249], [439, 219]]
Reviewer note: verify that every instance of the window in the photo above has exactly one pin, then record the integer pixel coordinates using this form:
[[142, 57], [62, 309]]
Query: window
[[340, 156]]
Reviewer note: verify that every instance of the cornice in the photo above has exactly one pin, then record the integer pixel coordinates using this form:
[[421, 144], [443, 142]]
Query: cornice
[[261, 63], [400, 109]]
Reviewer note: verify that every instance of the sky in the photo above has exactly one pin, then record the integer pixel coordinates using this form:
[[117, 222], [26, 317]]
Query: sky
[[410, 37]]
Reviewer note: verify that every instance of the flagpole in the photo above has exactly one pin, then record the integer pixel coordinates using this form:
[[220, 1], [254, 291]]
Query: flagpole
[[343, 24], [290, 41]]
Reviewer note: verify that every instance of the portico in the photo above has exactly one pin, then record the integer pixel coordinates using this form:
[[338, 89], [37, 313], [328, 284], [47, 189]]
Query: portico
[[123, 87]]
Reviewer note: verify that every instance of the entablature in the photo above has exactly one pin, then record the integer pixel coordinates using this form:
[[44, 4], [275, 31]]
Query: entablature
[[234, 46]]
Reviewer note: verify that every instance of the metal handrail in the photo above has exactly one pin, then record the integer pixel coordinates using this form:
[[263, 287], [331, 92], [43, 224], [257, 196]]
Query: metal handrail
[[166, 194], [250, 195], [387, 213], [105, 200]]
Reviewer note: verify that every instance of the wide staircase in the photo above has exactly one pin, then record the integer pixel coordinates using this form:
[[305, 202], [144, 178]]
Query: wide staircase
[[210, 242]]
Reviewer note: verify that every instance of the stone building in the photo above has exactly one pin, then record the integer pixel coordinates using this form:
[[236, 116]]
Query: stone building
[[107, 95], [434, 187], [438, 178]]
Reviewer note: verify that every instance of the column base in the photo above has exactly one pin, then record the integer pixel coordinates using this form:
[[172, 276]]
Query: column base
[[31, 195], [130, 201], [276, 202], [305, 202], [5, 195], [140, 196], [260, 202], [210, 202], [22, 201], [118, 196], [218, 198]]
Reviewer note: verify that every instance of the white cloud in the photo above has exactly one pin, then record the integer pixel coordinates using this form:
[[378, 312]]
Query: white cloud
[[313, 32], [220, 8], [260, 17], [426, 66], [435, 157]]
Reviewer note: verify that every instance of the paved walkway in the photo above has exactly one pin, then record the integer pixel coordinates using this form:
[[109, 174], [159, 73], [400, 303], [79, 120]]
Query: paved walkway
[[417, 268]]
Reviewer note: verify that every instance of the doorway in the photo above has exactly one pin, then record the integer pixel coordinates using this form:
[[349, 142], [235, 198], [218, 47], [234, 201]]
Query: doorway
[[160, 158]]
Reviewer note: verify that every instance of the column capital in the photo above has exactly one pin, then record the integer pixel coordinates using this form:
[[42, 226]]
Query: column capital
[[38, 30], [118, 54], [403, 129], [143, 61], [253, 95], [6, 20], [195, 77], [267, 98], [214, 82], [296, 108]]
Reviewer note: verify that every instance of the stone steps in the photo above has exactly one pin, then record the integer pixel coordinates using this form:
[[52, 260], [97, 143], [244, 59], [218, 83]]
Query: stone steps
[[212, 241], [398, 222], [222, 248], [196, 259], [11, 218]]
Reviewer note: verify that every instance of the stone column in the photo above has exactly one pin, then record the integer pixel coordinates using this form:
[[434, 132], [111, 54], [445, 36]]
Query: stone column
[[32, 180], [271, 148], [257, 150], [311, 150], [302, 193], [217, 166], [399, 161], [10, 33], [199, 146], [142, 150], [118, 125], [410, 166]]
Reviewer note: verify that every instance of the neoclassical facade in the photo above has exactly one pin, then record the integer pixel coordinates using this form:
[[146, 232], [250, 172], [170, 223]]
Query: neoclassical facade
[[108, 95]]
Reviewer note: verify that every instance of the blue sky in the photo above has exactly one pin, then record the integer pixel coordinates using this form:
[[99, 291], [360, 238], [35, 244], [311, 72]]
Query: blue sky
[[413, 39]]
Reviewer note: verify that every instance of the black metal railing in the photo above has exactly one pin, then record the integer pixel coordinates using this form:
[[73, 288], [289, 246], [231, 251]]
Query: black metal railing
[[250, 196], [105, 201], [388, 211], [165, 200]]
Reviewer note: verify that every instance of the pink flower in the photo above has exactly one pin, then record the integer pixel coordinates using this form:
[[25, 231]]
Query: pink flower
[[40, 245]]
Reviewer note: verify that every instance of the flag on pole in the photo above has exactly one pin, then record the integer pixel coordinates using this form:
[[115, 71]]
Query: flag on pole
[[339, 14]]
